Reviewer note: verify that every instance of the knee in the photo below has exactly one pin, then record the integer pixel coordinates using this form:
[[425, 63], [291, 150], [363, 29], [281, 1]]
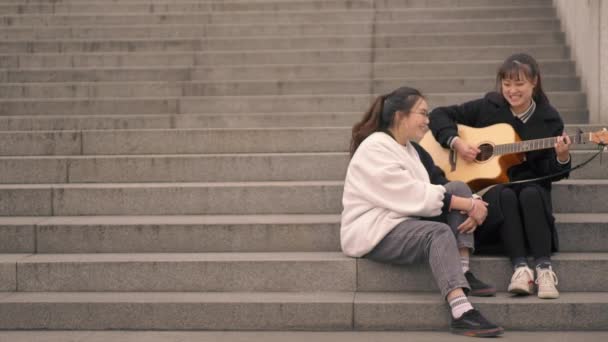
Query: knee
[[441, 231], [508, 197], [459, 188], [530, 195]]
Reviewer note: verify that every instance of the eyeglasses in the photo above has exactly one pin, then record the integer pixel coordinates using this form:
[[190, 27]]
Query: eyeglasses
[[427, 114]]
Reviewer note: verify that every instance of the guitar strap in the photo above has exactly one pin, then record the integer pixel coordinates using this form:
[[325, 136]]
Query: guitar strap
[[599, 152]]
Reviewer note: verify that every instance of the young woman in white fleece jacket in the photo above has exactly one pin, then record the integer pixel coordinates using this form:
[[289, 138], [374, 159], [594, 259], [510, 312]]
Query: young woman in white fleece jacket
[[400, 209]]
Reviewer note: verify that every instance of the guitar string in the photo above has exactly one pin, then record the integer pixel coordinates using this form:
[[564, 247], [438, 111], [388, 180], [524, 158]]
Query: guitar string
[[559, 173]]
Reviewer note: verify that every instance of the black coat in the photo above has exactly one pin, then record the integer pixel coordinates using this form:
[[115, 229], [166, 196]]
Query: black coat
[[493, 109]]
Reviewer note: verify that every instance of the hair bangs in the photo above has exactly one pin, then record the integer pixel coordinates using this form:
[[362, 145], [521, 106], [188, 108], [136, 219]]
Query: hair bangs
[[516, 71]]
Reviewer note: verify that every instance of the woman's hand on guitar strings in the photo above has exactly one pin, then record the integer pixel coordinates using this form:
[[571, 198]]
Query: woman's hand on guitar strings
[[466, 151], [562, 147]]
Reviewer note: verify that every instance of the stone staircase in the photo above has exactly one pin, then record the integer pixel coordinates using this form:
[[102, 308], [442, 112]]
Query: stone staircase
[[178, 164]]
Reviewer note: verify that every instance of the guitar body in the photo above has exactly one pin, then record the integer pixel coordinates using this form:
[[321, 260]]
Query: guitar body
[[486, 170]]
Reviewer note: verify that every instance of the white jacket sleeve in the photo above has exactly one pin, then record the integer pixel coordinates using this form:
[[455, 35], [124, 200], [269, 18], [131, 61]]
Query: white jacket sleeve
[[376, 176]]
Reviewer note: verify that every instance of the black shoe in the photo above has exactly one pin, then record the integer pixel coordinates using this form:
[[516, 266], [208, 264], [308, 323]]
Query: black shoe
[[473, 324], [478, 287]]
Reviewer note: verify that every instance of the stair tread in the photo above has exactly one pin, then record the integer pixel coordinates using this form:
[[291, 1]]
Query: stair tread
[[288, 297], [233, 257], [226, 219]]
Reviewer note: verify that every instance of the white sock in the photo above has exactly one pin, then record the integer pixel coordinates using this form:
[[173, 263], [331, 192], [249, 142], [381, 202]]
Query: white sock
[[459, 306], [465, 264]]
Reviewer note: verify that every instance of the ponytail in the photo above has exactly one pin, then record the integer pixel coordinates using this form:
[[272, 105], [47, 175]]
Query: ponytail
[[371, 122], [381, 115]]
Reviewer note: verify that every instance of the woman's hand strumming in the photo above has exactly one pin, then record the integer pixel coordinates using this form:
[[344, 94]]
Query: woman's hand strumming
[[466, 151]]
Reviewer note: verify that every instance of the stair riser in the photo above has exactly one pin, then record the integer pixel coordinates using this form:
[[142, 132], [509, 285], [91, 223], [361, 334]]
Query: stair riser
[[177, 316], [66, 60], [303, 87], [238, 104], [191, 6], [346, 274], [241, 168], [304, 17], [511, 316], [189, 276], [327, 315], [307, 73], [37, 123], [292, 31], [346, 42], [323, 198], [175, 238], [373, 276]]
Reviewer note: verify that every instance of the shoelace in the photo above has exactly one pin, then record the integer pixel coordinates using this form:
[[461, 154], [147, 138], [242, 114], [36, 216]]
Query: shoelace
[[546, 276], [522, 272]]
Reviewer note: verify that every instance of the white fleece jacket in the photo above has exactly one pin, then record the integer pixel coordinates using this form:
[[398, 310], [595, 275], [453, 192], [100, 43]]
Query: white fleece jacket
[[385, 184]]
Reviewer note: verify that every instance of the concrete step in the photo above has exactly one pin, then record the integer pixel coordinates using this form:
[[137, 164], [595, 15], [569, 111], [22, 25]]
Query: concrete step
[[580, 233], [284, 43], [289, 311], [250, 167], [250, 120], [160, 311], [167, 7], [245, 120], [293, 56], [75, 7], [269, 29], [278, 271], [183, 141], [237, 3], [291, 87], [569, 267], [294, 336], [296, 16], [174, 168], [8, 272], [171, 199], [318, 197], [395, 311], [171, 234], [561, 100], [291, 272], [236, 104], [285, 72]]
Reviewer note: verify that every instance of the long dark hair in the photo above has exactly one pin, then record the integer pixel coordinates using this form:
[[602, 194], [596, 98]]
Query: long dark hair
[[381, 115], [516, 65]]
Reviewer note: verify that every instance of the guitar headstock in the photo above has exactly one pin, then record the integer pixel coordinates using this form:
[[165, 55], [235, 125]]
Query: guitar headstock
[[599, 137]]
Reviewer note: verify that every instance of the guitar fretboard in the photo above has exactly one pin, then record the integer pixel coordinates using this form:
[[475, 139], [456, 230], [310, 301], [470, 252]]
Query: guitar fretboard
[[537, 144]]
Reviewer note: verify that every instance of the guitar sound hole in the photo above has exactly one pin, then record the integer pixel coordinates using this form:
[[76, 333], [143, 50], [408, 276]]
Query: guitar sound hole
[[486, 153]]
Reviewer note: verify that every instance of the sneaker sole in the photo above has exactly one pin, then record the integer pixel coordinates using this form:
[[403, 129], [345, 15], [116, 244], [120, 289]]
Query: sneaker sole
[[489, 292], [479, 333], [548, 296], [520, 291]]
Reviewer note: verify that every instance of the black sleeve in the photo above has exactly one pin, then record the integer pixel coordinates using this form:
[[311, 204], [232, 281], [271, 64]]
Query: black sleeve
[[436, 175], [547, 163], [443, 120], [542, 163]]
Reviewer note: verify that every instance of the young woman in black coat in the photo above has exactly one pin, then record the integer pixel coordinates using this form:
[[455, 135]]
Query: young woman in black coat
[[520, 220]]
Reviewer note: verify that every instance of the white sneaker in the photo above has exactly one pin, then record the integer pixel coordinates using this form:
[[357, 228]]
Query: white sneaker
[[546, 281], [522, 281]]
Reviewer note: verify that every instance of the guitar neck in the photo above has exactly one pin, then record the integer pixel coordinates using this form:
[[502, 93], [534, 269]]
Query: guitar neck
[[538, 144]]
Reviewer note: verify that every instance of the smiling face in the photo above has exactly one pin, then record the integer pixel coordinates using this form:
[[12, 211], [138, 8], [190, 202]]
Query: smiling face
[[518, 92], [413, 125]]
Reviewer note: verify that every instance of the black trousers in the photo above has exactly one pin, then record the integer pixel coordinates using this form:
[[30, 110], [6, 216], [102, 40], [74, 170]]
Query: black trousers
[[523, 228]]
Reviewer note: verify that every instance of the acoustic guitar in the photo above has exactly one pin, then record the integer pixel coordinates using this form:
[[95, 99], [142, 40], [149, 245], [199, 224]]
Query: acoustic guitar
[[501, 148]]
